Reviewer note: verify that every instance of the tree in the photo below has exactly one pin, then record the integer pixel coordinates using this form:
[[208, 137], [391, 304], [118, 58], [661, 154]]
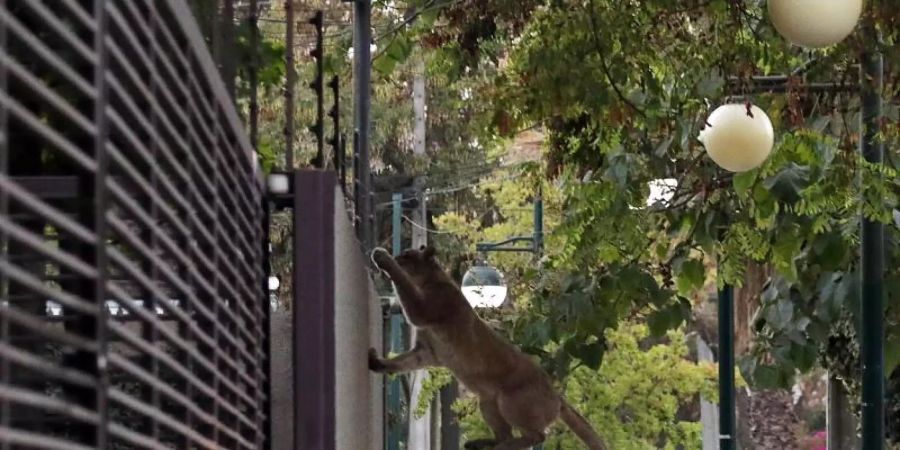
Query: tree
[[623, 90], [633, 400]]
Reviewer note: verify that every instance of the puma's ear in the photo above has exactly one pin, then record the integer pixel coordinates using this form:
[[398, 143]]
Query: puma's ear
[[428, 252]]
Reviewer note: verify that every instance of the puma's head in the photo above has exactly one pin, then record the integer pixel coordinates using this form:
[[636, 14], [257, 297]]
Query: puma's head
[[420, 264]]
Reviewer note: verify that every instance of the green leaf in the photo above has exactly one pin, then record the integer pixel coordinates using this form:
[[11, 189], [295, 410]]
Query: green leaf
[[789, 182], [744, 180], [397, 51], [803, 356], [785, 250], [831, 250], [891, 353], [664, 146], [691, 275], [820, 124], [780, 314], [658, 322], [767, 377], [710, 86], [592, 354], [384, 64]]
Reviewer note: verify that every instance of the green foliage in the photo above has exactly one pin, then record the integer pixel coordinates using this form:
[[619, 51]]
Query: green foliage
[[621, 91], [436, 379], [634, 398]]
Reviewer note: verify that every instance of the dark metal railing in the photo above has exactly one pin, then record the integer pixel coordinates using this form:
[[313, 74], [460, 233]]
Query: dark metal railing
[[133, 310]]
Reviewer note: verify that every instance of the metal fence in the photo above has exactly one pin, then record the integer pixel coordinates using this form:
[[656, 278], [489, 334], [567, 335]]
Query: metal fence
[[134, 311]]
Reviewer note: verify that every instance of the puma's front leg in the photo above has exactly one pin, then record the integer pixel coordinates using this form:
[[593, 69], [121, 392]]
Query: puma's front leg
[[419, 357], [411, 297]]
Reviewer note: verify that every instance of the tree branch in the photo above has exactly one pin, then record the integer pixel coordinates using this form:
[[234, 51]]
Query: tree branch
[[604, 65]]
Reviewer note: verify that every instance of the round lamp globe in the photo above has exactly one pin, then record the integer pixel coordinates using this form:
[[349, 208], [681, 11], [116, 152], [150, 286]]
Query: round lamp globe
[[738, 138], [815, 23]]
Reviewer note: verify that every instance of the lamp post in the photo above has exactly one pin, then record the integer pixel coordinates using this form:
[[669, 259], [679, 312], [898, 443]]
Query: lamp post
[[817, 24], [814, 23], [739, 137], [483, 284]]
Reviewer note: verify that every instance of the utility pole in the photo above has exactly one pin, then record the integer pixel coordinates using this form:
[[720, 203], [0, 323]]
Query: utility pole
[[419, 428]]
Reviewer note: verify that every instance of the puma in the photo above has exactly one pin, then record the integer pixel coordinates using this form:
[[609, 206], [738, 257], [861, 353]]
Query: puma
[[513, 391]]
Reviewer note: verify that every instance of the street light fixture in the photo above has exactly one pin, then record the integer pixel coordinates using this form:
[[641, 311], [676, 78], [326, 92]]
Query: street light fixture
[[815, 23], [738, 137], [484, 287]]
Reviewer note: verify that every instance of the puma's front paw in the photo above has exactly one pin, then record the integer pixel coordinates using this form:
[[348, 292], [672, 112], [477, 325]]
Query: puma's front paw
[[375, 363], [381, 257]]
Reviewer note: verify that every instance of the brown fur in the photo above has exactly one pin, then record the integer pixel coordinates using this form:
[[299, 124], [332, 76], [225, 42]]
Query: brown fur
[[513, 391]]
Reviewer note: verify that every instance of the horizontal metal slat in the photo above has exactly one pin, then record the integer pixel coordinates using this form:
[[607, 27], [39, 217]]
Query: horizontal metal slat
[[47, 55], [37, 440], [34, 242], [170, 422], [36, 363], [46, 329], [49, 95], [18, 190], [60, 28], [48, 404], [49, 134]]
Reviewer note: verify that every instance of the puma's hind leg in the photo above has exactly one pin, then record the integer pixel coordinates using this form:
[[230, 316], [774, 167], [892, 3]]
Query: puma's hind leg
[[502, 430], [524, 442]]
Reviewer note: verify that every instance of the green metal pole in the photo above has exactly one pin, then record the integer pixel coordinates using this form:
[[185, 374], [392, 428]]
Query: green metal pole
[[395, 410], [538, 238], [727, 420], [396, 223], [538, 224], [872, 256]]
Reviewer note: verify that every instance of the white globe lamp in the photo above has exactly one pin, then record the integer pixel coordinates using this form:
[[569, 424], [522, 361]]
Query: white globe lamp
[[274, 283], [815, 23], [738, 137], [483, 287]]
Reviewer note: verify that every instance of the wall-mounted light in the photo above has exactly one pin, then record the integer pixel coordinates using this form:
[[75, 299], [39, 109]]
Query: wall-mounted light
[[274, 283], [278, 183]]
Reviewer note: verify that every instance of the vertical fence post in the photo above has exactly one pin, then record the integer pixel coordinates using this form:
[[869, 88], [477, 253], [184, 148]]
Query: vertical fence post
[[253, 72], [362, 65], [872, 251], [100, 206], [342, 162], [290, 81], [335, 114], [318, 86], [5, 375], [357, 190]]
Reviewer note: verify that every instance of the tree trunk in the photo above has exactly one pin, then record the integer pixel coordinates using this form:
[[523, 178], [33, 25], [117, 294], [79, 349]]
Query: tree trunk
[[746, 303]]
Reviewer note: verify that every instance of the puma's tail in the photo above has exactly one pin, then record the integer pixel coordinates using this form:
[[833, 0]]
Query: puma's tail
[[580, 426]]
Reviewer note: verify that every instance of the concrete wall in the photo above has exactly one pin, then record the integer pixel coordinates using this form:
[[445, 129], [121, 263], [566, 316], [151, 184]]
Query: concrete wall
[[358, 326], [282, 381], [323, 395]]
